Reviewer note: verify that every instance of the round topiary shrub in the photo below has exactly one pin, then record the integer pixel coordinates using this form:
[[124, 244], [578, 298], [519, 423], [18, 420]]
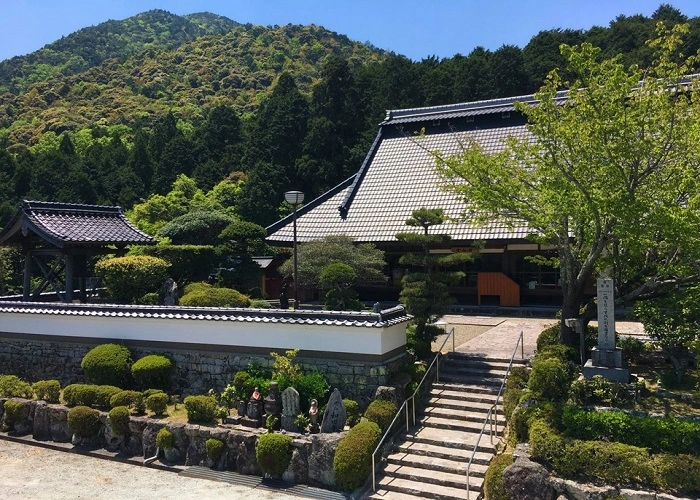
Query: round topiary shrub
[[119, 420], [80, 394], [200, 409], [13, 410], [215, 297], [108, 364], [274, 452], [164, 439], [104, 395], [352, 410], [124, 398], [549, 379], [196, 286], [494, 489], [381, 412], [214, 447], [130, 278], [47, 390], [353, 457], [11, 386], [157, 403], [154, 370], [84, 422]]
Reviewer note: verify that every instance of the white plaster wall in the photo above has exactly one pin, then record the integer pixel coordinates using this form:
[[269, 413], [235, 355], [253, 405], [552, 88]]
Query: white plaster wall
[[330, 338]]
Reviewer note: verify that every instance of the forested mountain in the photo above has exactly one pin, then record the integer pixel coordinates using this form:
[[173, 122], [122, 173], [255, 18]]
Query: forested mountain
[[88, 47], [269, 108]]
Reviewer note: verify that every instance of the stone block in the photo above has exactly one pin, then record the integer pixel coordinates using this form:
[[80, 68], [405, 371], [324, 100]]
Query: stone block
[[621, 375]]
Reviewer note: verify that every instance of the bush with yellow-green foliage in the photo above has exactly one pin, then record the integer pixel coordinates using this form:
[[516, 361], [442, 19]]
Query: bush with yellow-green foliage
[[494, 489], [381, 412], [119, 420], [13, 409], [215, 297], [214, 447], [153, 371], [352, 462], [273, 453], [108, 364], [84, 422], [157, 403], [130, 278], [165, 439], [47, 390], [11, 386], [201, 409]]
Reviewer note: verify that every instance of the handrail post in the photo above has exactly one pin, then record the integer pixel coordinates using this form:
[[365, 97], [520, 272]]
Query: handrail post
[[522, 345], [374, 485], [406, 418]]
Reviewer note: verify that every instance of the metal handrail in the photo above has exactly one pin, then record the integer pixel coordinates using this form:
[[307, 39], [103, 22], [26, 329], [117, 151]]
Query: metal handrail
[[492, 415], [412, 399]]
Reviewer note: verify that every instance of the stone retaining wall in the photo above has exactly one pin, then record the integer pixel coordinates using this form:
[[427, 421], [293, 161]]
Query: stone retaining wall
[[312, 455], [197, 371]]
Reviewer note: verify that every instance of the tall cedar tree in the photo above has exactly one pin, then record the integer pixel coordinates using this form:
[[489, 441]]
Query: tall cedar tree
[[425, 289]]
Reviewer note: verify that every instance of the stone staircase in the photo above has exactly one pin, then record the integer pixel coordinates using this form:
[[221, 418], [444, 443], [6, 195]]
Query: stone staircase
[[432, 461]]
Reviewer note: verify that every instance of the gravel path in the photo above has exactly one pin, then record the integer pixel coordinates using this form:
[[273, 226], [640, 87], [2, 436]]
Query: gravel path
[[30, 472]]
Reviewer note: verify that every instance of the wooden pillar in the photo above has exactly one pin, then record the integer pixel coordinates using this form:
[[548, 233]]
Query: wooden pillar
[[27, 283], [69, 277]]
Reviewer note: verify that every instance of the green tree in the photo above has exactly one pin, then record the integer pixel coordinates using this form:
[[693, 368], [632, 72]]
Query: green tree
[[365, 259], [338, 278], [425, 289], [611, 177], [674, 321]]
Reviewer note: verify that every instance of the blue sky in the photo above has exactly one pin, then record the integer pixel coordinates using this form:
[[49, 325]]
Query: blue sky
[[416, 29]]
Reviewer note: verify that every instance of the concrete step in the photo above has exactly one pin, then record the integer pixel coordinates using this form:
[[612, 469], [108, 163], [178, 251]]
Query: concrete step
[[455, 377], [474, 371], [466, 426], [437, 478], [467, 415], [424, 490], [456, 403], [453, 393], [383, 494], [437, 451], [465, 356], [465, 388], [451, 438], [476, 363], [436, 464]]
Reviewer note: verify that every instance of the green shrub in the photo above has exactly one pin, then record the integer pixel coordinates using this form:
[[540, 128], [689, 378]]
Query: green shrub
[[417, 371], [549, 336], [516, 383], [47, 390], [632, 348], [119, 420], [239, 380], [124, 398], [545, 444], [260, 304], [80, 394], [200, 409], [549, 379], [679, 473], [658, 434], [149, 299], [215, 297], [164, 439], [157, 403], [494, 489], [381, 412], [215, 448], [83, 421], [131, 277], [311, 385], [13, 409], [150, 392], [196, 286], [196, 226], [564, 353], [352, 410], [108, 364], [154, 370], [103, 395], [12, 386], [190, 263], [274, 452], [352, 462]]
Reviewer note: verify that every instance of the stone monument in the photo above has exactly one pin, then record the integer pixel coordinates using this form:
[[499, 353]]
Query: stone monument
[[606, 359], [290, 409], [335, 415], [254, 411], [273, 405], [169, 295]]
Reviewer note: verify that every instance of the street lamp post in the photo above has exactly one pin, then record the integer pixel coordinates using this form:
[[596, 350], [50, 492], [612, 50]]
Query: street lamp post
[[295, 198]]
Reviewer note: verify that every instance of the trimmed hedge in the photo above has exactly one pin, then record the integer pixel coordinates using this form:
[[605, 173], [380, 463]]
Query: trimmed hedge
[[352, 410], [119, 420], [494, 489], [154, 370], [130, 278], [47, 390], [352, 462], [273, 453], [613, 463], [658, 434], [164, 439], [549, 379], [189, 262], [83, 421], [157, 403], [381, 412], [214, 447], [108, 364], [125, 398], [80, 394], [13, 408], [215, 297], [200, 409], [11, 386]]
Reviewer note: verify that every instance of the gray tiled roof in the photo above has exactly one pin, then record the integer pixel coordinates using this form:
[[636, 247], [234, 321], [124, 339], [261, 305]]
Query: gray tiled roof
[[385, 318], [69, 224], [398, 178]]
